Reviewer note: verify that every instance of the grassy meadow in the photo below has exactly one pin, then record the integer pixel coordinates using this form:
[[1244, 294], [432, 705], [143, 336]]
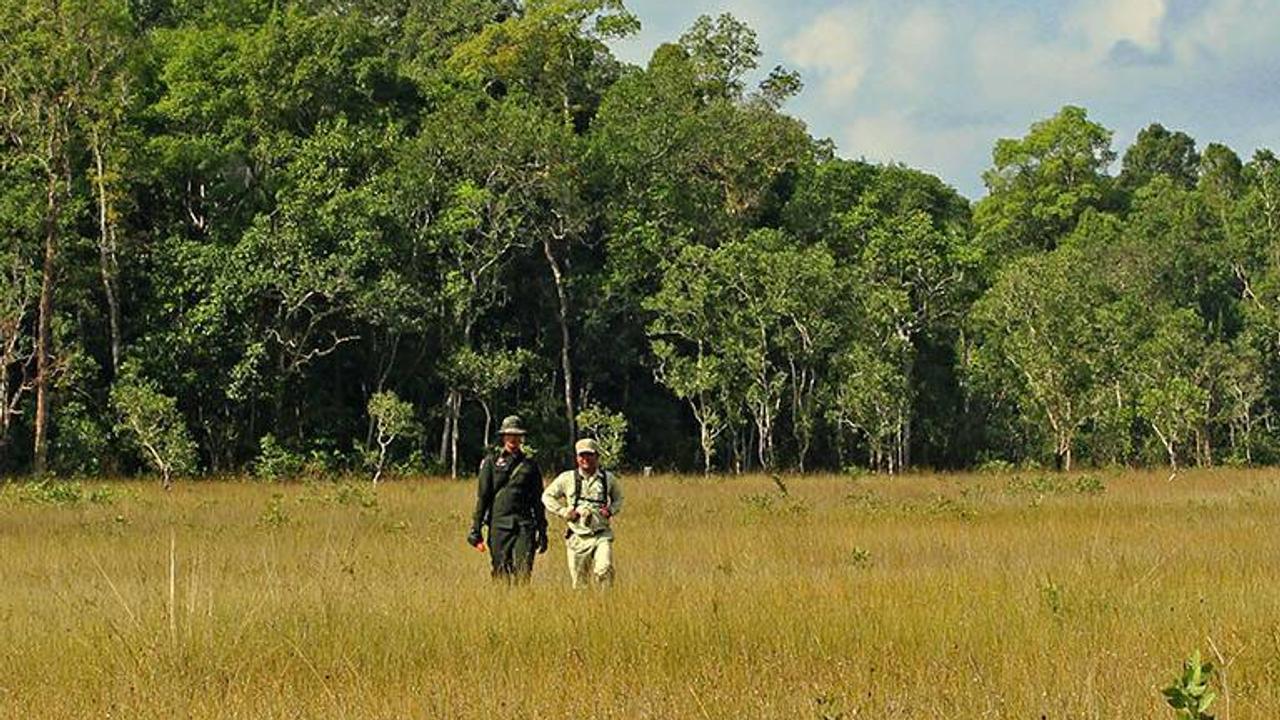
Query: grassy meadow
[[974, 596]]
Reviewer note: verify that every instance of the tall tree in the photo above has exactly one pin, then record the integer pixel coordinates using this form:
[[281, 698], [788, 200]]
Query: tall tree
[[1040, 184], [1157, 151]]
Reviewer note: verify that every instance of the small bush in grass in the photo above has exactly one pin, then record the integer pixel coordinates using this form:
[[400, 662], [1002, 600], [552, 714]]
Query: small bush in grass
[[995, 466], [392, 418], [759, 501], [352, 494], [860, 557], [1191, 693], [1090, 485], [150, 420], [275, 514], [103, 495], [275, 461], [50, 492], [1054, 599], [1045, 485]]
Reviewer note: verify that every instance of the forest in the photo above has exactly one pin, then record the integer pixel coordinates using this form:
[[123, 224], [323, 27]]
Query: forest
[[313, 236]]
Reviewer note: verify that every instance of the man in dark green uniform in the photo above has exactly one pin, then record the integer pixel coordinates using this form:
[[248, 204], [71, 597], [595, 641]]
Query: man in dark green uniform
[[509, 502]]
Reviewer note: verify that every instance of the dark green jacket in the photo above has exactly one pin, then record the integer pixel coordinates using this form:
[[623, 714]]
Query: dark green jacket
[[510, 492]]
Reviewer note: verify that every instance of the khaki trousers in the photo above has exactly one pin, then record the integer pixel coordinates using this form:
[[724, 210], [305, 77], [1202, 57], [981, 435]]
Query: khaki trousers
[[590, 556]]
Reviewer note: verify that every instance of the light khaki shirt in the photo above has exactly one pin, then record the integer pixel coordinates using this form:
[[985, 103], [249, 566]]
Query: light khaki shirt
[[560, 499]]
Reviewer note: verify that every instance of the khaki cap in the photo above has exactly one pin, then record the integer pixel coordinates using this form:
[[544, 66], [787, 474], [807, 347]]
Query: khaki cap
[[586, 445]]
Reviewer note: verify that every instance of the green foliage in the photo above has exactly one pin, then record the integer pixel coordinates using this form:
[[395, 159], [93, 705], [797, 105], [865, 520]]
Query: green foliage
[[276, 210], [1041, 184], [82, 442], [150, 420], [275, 514], [1158, 151], [1191, 693], [392, 418], [609, 430], [275, 461], [722, 50], [1045, 484], [358, 495], [1053, 597], [51, 492]]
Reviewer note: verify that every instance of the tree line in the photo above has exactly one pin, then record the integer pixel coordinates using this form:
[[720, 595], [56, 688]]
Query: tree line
[[277, 236]]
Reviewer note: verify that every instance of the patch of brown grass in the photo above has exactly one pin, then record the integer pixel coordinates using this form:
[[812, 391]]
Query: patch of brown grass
[[917, 597]]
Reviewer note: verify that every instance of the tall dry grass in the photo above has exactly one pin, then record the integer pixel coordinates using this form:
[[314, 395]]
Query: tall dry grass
[[919, 597]]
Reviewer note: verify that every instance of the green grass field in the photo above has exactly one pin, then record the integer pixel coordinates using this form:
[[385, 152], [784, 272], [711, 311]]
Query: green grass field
[[920, 597]]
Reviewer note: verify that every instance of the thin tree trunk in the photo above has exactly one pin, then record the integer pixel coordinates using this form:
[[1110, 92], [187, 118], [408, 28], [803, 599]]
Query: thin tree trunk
[[382, 460], [839, 440], [107, 253], [488, 422], [566, 347], [456, 410], [706, 453], [704, 437], [4, 413], [447, 429], [44, 327]]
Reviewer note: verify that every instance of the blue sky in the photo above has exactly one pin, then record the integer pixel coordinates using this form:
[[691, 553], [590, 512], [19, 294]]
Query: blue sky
[[933, 83]]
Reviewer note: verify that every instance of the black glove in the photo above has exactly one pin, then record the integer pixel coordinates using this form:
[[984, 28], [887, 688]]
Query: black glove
[[474, 538], [542, 540]]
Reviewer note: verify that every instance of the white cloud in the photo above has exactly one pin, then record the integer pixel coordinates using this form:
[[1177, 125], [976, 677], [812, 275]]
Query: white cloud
[[1107, 22], [956, 154], [917, 49], [1014, 65], [1231, 31], [934, 83], [835, 49]]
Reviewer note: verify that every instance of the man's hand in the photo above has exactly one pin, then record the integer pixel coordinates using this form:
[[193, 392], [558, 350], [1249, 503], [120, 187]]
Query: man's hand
[[542, 541], [606, 512], [474, 539], [573, 515]]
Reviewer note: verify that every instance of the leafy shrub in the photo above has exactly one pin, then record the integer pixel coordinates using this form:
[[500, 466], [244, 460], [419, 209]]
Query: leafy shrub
[[392, 418], [855, 472], [275, 461], [759, 501], [80, 441], [150, 420], [103, 495], [1191, 694], [1090, 485], [1053, 597], [353, 494], [275, 514], [609, 430], [1044, 484], [50, 492], [996, 466]]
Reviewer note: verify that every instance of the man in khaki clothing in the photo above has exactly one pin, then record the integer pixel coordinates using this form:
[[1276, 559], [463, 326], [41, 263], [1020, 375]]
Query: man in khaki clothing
[[588, 498]]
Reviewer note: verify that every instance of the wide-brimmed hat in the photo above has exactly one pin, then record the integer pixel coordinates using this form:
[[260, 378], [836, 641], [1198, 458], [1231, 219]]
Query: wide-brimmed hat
[[586, 445], [512, 425]]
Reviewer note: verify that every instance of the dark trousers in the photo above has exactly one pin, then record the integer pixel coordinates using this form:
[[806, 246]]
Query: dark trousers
[[511, 550]]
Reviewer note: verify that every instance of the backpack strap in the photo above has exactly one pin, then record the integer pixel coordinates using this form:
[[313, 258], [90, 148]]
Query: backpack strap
[[516, 462], [577, 486]]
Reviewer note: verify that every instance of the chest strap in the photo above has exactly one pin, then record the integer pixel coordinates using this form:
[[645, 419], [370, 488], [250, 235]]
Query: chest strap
[[577, 487]]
